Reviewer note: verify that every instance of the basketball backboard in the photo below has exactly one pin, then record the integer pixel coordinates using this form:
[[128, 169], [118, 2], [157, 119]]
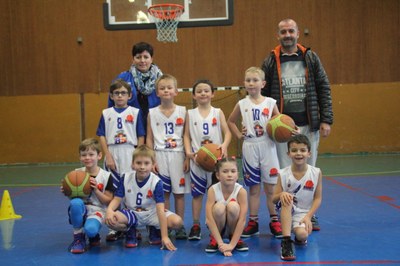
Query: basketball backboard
[[133, 14]]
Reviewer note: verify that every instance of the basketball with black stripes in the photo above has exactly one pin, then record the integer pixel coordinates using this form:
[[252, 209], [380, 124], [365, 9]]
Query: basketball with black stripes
[[207, 156], [280, 127], [76, 184]]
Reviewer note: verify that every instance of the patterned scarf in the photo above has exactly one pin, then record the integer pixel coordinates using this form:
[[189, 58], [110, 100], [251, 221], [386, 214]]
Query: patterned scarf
[[145, 82]]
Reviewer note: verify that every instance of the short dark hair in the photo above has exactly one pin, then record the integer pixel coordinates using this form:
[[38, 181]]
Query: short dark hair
[[140, 47], [119, 83], [203, 81], [300, 139]]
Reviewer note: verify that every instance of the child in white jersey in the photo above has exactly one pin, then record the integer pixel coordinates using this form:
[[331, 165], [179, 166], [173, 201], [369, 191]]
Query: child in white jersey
[[165, 128], [120, 130], [204, 124], [299, 194], [87, 215], [259, 157], [226, 209], [142, 196]]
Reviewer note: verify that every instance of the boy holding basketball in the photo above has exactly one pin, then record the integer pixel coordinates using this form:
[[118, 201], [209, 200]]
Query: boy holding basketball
[[142, 196], [165, 127], [259, 158], [120, 130], [87, 215], [204, 124], [299, 195], [226, 209]]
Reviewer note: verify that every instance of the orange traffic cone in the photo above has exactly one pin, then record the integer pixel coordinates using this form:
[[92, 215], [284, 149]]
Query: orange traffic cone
[[7, 210]]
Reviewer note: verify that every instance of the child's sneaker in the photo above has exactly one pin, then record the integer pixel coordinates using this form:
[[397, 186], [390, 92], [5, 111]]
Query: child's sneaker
[[315, 223], [287, 250], [114, 235], [181, 233], [154, 236], [212, 246], [130, 238], [251, 229], [78, 246], [94, 241], [276, 229], [300, 242], [195, 232], [241, 246]]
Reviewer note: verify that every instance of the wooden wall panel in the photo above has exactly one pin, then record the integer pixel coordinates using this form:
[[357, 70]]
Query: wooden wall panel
[[358, 42], [40, 129], [47, 128]]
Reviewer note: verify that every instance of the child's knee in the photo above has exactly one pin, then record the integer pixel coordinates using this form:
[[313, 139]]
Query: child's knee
[[77, 206], [233, 208], [301, 233], [76, 211], [175, 221], [219, 210], [92, 227]]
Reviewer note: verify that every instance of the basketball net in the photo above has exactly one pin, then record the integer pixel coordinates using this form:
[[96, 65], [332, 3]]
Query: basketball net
[[166, 18]]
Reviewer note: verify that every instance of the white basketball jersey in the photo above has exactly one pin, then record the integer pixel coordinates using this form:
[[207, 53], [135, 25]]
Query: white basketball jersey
[[303, 189], [140, 198], [219, 197], [205, 130], [256, 116], [101, 178], [168, 131], [121, 127]]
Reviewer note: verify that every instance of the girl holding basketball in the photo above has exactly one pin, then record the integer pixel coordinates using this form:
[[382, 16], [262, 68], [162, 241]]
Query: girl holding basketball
[[259, 158], [226, 209], [204, 124]]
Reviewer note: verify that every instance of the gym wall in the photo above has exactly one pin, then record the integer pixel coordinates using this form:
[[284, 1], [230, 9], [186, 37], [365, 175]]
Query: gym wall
[[53, 88]]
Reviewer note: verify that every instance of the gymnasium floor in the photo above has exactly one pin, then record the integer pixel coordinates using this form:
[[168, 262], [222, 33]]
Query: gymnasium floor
[[359, 217]]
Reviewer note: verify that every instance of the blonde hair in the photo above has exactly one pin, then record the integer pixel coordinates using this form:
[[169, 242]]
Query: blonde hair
[[144, 151], [90, 143], [256, 70], [167, 77]]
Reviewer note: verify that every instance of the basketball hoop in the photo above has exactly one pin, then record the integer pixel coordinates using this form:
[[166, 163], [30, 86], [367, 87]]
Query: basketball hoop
[[166, 17]]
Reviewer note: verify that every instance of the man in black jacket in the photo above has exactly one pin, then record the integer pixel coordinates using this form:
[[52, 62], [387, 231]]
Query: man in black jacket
[[297, 80]]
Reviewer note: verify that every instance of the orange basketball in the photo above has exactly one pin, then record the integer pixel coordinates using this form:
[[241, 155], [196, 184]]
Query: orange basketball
[[76, 184], [207, 156], [280, 127]]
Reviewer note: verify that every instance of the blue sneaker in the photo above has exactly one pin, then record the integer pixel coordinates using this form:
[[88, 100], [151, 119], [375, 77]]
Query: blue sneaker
[[130, 238], [78, 246], [154, 236]]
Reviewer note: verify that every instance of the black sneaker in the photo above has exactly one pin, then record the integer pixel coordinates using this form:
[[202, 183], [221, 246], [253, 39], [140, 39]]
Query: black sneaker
[[114, 235], [315, 223], [181, 233], [212, 247], [251, 229], [241, 246], [94, 241], [287, 250], [130, 238], [195, 232], [300, 242], [154, 236]]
